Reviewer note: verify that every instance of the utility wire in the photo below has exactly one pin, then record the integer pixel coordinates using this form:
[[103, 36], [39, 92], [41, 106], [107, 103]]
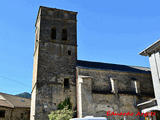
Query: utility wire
[[13, 80]]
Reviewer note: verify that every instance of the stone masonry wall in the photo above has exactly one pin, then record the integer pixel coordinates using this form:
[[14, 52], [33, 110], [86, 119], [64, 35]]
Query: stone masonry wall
[[97, 97], [56, 61], [16, 113]]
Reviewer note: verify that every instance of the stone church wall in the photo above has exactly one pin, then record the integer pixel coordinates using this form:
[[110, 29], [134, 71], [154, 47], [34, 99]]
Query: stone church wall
[[97, 96], [55, 59]]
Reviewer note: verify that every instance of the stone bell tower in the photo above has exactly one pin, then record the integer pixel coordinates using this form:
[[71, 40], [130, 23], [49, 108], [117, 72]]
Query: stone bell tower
[[55, 56]]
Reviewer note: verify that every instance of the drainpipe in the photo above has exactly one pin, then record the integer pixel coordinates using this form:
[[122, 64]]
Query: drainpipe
[[77, 92]]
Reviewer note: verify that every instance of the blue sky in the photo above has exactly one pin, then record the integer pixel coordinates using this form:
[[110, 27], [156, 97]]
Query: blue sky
[[112, 31]]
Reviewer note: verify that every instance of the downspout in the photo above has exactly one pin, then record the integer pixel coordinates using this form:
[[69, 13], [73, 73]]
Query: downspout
[[77, 91]]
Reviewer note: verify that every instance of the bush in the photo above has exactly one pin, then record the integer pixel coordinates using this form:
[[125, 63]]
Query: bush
[[63, 114], [65, 103], [64, 111]]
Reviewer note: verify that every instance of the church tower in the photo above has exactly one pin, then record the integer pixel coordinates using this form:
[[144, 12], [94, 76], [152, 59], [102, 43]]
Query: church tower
[[55, 56]]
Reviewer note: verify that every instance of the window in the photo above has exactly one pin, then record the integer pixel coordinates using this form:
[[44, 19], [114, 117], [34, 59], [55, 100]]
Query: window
[[2, 113], [53, 33], [69, 52], [112, 85], [22, 115], [66, 83], [135, 86], [64, 34]]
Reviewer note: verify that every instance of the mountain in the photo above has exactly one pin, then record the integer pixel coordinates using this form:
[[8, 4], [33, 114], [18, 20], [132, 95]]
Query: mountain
[[24, 95]]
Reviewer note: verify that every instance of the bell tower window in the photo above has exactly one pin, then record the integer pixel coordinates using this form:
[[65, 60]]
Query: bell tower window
[[64, 34], [53, 33]]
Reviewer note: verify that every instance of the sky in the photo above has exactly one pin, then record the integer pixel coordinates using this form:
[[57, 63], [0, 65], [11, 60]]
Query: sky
[[110, 31]]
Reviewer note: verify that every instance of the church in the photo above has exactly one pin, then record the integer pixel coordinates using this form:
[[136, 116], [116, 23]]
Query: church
[[92, 87]]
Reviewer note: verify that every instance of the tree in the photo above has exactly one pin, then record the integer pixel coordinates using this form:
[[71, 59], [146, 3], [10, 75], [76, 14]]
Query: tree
[[64, 111], [63, 114], [65, 103]]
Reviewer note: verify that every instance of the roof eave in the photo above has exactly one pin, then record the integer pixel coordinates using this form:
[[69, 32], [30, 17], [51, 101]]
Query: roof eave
[[151, 49], [144, 53]]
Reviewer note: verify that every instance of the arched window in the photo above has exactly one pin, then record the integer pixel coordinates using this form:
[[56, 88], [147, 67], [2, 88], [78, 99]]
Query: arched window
[[53, 33], [64, 34]]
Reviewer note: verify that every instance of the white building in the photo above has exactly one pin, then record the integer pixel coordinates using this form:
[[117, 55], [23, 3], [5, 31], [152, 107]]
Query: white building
[[153, 52]]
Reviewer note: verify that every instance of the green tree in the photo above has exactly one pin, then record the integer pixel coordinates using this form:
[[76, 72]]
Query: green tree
[[63, 114], [64, 111], [65, 103]]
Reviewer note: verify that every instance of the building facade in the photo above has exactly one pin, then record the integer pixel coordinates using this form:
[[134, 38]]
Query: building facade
[[153, 52], [93, 88], [55, 59], [14, 107]]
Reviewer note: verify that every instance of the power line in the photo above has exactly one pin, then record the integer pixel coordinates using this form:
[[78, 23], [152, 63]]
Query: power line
[[13, 80]]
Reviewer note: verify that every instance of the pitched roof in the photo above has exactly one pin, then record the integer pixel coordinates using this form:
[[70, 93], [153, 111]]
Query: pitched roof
[[110, 66], [13, 101]]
